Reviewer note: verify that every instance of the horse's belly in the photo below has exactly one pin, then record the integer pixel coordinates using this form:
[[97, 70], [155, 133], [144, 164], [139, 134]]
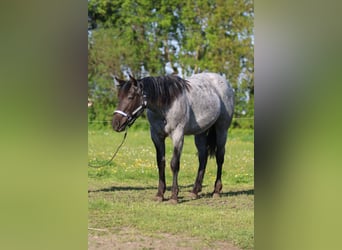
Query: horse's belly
[[200, 126], [202, 116]]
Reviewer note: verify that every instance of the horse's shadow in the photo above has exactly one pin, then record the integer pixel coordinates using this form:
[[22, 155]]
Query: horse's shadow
[[209, 195], [182, 199], [232, 193], [131, 188], [121, 188]]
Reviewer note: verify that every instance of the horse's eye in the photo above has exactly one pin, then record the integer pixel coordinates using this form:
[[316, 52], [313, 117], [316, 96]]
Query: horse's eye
[[130, 97]]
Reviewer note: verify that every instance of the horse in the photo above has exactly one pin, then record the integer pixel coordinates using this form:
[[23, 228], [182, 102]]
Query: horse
[[201, 105]]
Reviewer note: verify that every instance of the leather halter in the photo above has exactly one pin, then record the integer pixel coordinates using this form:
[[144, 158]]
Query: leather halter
[[135, 114]]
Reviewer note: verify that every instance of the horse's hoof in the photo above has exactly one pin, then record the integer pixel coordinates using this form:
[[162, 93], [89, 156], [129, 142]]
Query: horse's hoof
[[216, 195], [194, 196], [173, 201], [158, 198]]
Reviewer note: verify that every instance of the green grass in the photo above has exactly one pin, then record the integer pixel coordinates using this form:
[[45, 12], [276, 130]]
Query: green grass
[[121, 195]]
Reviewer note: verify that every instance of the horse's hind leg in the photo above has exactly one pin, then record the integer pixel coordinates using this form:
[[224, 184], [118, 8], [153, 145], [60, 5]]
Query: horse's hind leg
[[201, 144], [221, 138]]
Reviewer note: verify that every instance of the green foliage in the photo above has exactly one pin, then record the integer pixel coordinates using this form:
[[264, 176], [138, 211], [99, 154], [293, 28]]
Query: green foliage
[[190, 36]]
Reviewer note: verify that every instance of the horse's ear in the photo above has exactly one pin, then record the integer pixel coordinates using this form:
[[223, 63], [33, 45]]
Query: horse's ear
[[135, 83], [118, 82]]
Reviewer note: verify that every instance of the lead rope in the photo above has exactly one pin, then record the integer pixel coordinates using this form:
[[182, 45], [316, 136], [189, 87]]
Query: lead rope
[[117, 150]]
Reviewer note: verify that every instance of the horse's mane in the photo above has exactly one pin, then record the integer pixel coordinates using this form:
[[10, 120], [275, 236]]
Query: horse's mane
[[163, 90]]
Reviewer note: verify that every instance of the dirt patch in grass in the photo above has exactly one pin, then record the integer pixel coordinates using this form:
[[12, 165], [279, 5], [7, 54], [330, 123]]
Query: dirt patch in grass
[[129, 239]]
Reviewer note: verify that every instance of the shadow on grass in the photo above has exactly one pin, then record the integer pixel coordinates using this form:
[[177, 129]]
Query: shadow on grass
[[131, 188], [230, 193], [182, 199], [223, 194], [120, 188], [234, 193]]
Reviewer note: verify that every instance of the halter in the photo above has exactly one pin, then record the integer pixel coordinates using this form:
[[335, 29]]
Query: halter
[[135, 114]]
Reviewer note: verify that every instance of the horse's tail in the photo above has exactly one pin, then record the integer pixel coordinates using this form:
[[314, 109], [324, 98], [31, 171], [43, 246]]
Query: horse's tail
[[211, 141]]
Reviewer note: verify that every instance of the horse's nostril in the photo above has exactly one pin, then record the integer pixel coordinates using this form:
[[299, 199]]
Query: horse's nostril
[[116, 124]]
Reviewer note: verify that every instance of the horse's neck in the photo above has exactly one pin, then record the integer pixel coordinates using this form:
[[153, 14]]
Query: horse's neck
[[162, 109], [155, 108]]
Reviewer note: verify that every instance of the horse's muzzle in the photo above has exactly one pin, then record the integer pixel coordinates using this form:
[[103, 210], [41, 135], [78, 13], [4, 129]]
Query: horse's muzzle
[[119, 123]]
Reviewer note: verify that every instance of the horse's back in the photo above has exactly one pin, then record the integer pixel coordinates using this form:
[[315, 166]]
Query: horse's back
[[210, 98], [225, 92], [213, 81]]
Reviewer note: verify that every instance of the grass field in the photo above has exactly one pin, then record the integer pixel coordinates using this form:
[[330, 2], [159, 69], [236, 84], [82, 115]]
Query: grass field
[[120, 195]]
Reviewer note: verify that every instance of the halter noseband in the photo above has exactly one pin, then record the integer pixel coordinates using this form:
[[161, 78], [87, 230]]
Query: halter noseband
[[135, 114]]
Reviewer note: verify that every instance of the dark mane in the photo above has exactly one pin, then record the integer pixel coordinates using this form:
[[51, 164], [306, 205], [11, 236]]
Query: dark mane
[[163, 90]]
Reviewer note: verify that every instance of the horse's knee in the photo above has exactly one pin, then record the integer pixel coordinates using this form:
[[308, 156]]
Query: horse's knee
[[175, 164]]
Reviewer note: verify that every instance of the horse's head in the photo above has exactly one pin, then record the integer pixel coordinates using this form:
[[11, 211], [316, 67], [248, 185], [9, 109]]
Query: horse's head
[[131, 104]]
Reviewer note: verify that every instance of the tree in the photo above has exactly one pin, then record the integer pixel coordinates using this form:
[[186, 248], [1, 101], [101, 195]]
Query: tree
[[189, 36]]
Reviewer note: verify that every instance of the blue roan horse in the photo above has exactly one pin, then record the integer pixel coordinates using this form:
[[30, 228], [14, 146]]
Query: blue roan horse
[[202, 105]]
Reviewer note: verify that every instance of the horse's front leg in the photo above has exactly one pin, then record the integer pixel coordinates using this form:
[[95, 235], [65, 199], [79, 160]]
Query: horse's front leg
[[159, 144], [177, 139]]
